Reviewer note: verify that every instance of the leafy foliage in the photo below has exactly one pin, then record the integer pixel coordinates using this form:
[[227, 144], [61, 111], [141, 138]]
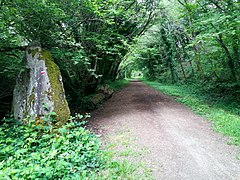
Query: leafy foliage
[[88, 39], [39, 151], [196, 41], [32, 151], [118, 84]]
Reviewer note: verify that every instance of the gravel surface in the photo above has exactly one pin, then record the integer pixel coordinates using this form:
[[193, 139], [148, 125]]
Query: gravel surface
[[181, 145]]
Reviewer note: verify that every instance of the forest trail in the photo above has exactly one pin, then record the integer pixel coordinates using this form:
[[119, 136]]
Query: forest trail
[[178, 144]]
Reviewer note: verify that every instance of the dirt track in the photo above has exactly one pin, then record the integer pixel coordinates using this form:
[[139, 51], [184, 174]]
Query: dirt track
[[181, 145]]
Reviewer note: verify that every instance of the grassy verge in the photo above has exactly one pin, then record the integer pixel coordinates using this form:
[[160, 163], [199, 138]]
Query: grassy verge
[[223, 111], [126, 157], [116, 85]]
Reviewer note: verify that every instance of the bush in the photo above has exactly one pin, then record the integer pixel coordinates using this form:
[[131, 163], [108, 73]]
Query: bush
[[35, 151]]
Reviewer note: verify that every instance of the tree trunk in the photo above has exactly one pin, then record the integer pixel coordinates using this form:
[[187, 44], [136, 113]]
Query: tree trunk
[[230, 60]]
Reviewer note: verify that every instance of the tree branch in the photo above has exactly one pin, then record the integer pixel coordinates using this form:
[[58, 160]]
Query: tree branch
[[181, 3], [11, 54], [150, 17]]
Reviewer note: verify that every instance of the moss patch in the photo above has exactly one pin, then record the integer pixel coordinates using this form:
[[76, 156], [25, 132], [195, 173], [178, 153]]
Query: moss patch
[[58, 95]]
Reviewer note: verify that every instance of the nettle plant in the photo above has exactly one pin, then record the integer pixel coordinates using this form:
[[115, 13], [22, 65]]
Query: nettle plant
[[32, 151]]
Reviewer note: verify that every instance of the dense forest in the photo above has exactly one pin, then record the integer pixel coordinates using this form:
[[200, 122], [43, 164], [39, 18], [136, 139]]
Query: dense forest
[[191, 41], [96, 42]]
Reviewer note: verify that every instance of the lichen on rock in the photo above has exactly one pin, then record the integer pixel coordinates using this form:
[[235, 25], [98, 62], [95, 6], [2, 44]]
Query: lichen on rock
[[39, 89], [57, 92]]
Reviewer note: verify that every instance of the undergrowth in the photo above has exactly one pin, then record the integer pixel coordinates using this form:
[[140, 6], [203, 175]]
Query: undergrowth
[[86, 104], [222, 109], [30, 151]]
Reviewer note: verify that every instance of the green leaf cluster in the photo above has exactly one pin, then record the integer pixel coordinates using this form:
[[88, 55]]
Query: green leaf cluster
[[195, 41], [32, 152], [88, 39]]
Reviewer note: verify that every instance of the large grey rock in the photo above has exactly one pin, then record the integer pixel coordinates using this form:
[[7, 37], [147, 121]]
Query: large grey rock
[[103, 93], [39, 89]]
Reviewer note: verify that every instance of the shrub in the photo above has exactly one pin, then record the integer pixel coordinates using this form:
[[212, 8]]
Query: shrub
[[33, 151]]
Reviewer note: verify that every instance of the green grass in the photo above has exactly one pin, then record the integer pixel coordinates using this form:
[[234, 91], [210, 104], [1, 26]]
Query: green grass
[[125, 157], [116, 85], [222, 111]]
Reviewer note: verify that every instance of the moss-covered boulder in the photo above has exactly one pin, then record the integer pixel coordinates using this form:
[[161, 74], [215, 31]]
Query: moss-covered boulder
[[39, 88], [103, 93]]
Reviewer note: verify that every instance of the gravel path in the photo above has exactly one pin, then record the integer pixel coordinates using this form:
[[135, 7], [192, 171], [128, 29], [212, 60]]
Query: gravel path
[[181, 144]]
